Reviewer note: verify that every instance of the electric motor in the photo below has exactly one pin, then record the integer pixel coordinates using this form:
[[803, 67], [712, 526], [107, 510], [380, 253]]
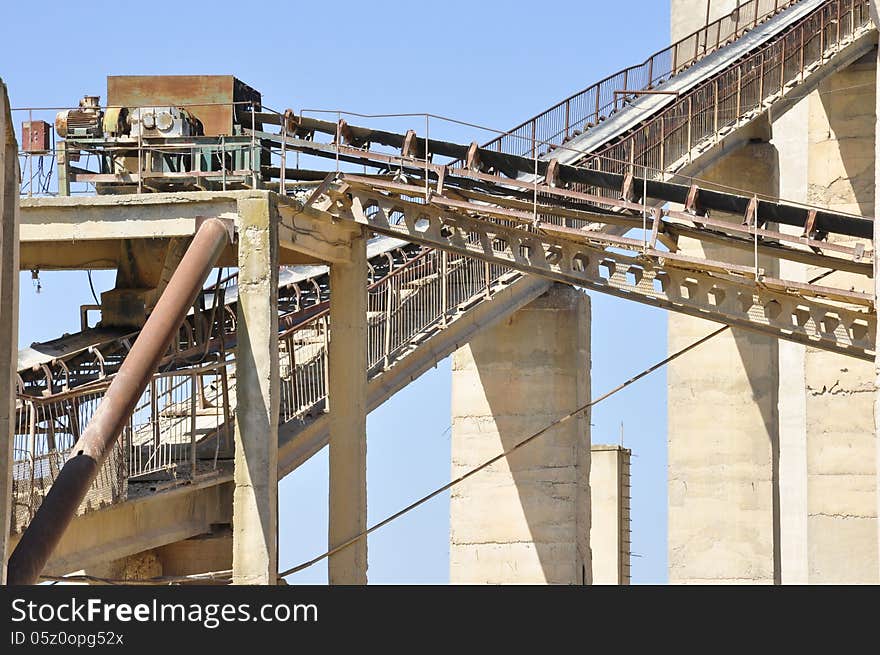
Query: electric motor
[[84, 122]]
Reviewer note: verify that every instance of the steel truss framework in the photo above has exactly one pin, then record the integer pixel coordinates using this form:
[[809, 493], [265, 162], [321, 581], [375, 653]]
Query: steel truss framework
[[828, 318]]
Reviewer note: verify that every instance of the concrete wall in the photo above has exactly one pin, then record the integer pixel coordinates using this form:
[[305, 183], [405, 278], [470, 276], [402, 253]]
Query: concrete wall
[[525, 519], [610, 494]]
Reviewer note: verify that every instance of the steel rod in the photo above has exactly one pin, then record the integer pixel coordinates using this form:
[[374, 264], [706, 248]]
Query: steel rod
[[89, 453]]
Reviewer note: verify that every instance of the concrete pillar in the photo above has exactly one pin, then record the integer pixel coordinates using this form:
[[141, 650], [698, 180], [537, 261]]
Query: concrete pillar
[[9, 324], [841, 441], [790, 139], [722, 424], [827, 518], [525, 519], [610, 495], [348, 415], [255, 499]]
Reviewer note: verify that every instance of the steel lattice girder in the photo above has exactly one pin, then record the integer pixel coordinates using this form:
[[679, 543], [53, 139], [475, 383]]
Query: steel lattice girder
[[715, 291]]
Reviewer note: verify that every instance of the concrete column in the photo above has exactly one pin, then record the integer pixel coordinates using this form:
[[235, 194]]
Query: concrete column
[[348, 415], [722, 424], [255, 500], [610, 495], [525, 519], [841, 440], [9, 324], [790, 139]]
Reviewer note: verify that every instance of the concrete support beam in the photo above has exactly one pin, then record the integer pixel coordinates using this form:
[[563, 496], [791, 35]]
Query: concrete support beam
[[309, 232], [722, 426], [9, 324], [348, 415], [204, 553], [525, 519], [610, 494], [255, 500], [790, 139], [100, 225], [841, 440], [149, 216], [140, 524]]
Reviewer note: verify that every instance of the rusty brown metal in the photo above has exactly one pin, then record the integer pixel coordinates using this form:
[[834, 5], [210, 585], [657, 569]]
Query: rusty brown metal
[[208, 97], [60, 505], [36, 137]]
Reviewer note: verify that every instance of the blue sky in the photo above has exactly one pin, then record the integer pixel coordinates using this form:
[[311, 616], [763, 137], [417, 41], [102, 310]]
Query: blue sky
[[491, 63]]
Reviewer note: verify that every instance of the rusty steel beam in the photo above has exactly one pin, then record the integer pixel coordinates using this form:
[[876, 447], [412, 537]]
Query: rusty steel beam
[[501, 170], [835, 320], [89, 453]]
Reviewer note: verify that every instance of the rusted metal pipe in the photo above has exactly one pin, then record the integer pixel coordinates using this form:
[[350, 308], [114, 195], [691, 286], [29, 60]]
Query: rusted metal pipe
[[59, 507]]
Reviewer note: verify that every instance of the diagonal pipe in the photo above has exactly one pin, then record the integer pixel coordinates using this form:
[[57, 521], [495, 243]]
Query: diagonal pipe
[[59, 507]]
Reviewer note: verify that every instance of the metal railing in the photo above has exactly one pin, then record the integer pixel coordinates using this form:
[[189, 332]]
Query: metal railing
[[403, 309], [405, 305], [698, 119], [586, 109], [183, 421]]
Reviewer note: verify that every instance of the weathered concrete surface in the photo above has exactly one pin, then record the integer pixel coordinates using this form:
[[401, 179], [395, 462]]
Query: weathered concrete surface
[[205, 553], [826, 524], [525, 519], [99, 224], [140, 566], [8, 315], [138, 525], [722, 425], [610, 514], [790, 139], [348, 416], [255, 501], [841, 441]]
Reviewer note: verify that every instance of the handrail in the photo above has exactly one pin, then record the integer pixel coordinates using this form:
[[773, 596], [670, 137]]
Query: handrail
[[401, 316], [669, 139], [589, 107]]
